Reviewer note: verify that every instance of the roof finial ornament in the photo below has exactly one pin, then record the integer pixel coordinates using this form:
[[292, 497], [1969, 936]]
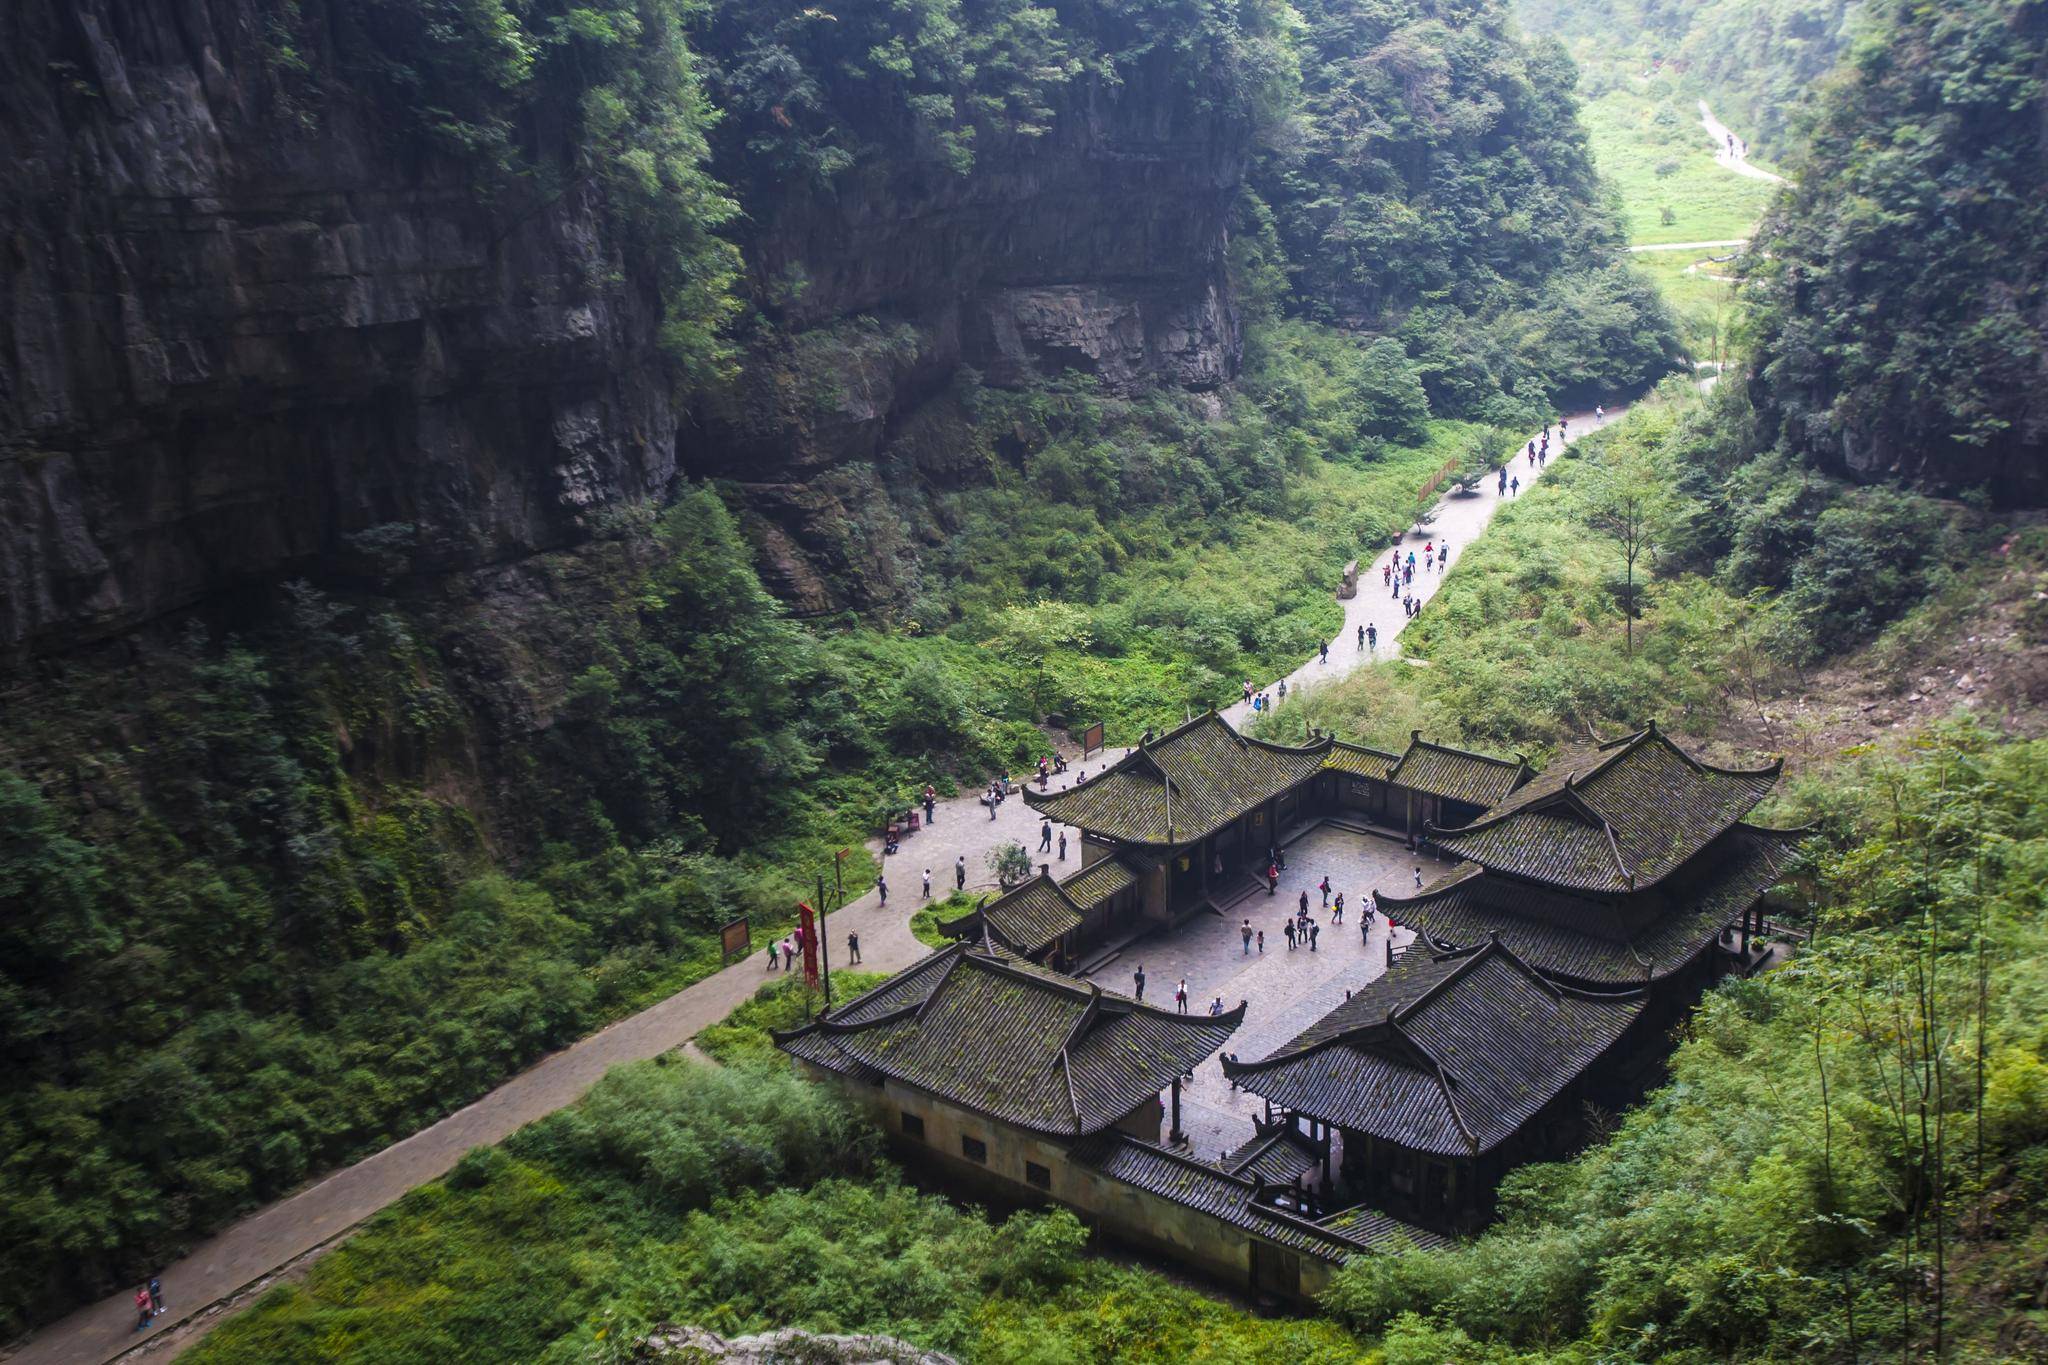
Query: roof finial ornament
[[1651, 727]]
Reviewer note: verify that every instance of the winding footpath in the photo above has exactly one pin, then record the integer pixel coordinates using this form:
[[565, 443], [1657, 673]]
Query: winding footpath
[[226, 1272], [1731, 151]]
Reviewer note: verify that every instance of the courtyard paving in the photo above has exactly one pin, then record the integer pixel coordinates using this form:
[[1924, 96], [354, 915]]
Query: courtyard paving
[[1284, 989]]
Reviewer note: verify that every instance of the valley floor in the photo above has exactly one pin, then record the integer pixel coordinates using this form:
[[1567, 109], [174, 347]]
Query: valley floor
[[294, 1230]]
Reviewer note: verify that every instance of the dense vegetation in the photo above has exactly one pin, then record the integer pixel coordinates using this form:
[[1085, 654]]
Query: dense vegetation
[[1901, 287], [1437, 185], [270, 897], [1758, 61], [736, 1200], [1750, 571], [1848, 1159]]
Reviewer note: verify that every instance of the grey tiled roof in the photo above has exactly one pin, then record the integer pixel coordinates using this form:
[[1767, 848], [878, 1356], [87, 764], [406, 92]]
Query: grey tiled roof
[[1019, 1043], [1598, 941], [1205, 772], [1614, 819], [1278, 1158], [1029, 917], [1360, 760], [1210, 1189], [1448, 1057], [1457, 774]]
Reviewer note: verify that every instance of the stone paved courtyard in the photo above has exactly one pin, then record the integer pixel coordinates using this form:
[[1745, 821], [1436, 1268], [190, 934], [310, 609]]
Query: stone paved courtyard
[[1284, 990]]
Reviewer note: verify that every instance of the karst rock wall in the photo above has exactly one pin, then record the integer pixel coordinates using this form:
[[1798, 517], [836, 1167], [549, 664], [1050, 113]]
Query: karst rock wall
[[238, 345]]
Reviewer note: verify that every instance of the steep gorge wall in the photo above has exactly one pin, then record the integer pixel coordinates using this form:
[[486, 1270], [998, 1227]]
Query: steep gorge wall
[[236, 347], [239, 345]]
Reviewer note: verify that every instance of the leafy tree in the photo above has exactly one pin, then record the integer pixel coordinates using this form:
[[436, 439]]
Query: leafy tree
[[1629, 496], [1030, 633], [1898, 288]]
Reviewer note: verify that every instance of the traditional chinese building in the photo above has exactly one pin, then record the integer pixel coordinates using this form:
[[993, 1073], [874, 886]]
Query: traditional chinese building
[[1190, 818], [1028, 1085], [1589, 907], [1624, 863], [1443, 1075]]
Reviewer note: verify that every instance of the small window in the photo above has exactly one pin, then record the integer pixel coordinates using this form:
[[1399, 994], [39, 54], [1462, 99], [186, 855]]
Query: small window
[[974, 1149], [1037, 1175], [913, 1125]]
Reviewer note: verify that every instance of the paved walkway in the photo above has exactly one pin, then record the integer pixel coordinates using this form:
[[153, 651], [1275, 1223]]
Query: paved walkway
[[1731, 151], [1459, 520], [294, 1227], [1692, 246]]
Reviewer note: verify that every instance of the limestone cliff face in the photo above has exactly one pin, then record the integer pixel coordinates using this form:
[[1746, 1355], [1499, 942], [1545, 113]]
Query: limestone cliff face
[[241, 343], [236, 345], [1097, 248]]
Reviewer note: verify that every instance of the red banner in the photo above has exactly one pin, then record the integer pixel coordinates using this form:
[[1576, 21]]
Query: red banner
[[807, 930]]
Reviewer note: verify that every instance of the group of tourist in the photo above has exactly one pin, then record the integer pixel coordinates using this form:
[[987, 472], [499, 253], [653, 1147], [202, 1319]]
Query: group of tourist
[[1260, 701], [149, 1303]]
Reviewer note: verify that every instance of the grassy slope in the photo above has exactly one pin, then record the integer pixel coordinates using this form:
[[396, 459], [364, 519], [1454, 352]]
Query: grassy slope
[[1634, 133], [1637, 127]]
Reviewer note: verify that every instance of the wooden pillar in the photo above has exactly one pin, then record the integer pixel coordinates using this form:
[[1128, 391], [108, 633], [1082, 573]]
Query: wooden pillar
[[1174, 1135], [1745, 934]]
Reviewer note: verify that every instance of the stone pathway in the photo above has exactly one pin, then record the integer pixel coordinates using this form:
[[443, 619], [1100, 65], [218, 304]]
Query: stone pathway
[[1692, 246], [1460, 519], [1731, 151], [1284, 989], [294, 1228]]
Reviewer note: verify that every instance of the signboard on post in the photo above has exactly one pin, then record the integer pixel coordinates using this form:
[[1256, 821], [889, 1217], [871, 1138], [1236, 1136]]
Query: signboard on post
[[1091, 739], [737, 938], [807, 928]]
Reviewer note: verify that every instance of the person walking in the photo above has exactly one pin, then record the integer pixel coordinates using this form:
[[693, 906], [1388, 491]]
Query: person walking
[[1315, 931], [1361, 637], [1180, 996], [1304, 905], [774, 961], [927, 885], [1063, 845], [1324, 887], [1372, 638], [882, 885], [1272, 879], [931, 802], [1044, 835], [960, 873], [1262, 943], [1337, 913], [1288, 929], [1283, 681], [1245, 931], [1138, 979], [993, 802], [1503, 478], [142, 1313], [1514, 488], [853, 945], [1323, 652], [1418, 879], [156, 1296]]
